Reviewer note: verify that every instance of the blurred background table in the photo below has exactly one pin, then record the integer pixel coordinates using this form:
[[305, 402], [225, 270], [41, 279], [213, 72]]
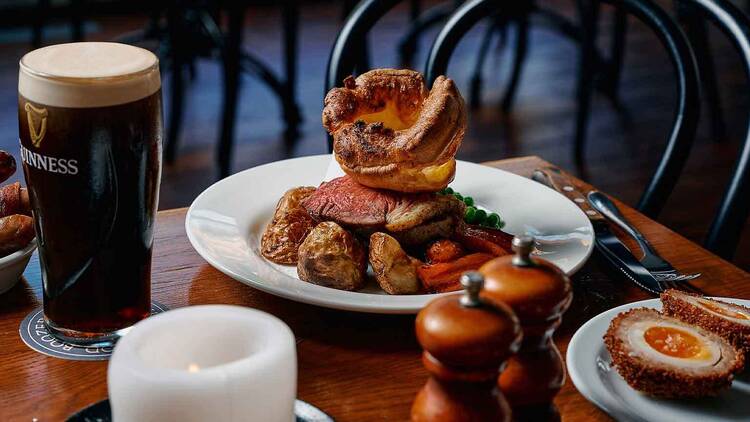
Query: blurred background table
[[353, 366]]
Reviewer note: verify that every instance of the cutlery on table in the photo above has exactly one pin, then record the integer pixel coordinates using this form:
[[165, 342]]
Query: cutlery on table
[[606, 242], [658, 266]]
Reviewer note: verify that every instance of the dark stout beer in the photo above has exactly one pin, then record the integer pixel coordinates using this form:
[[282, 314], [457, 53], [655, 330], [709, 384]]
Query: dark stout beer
[[90, 129]]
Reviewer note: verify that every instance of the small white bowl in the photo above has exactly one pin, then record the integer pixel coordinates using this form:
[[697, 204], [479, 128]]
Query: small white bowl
[[13, 265]]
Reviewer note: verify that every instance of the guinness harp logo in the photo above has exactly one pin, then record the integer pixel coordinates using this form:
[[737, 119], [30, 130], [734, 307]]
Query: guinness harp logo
[[37, 123]]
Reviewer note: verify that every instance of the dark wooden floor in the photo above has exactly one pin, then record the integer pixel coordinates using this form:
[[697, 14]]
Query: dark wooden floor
[[622, 152]]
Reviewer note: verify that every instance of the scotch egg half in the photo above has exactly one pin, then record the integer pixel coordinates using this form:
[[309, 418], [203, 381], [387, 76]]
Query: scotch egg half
[[665, 357], [728, 320]]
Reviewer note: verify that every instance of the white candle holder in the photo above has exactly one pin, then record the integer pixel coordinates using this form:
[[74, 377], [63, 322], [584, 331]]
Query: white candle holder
[[204, 363]]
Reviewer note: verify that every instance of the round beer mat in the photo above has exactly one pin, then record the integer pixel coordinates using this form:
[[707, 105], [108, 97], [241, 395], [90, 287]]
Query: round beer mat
[[101, 412], [34, 333]]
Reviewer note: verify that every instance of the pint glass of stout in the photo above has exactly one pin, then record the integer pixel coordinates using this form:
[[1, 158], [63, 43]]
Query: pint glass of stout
[[90, 124]]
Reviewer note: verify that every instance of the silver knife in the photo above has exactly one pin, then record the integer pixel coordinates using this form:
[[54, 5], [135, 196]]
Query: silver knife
[[606, 242]]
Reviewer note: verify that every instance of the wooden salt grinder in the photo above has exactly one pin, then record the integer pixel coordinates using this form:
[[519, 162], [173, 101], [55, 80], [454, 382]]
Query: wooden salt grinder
[[539, 294], [465, 341]]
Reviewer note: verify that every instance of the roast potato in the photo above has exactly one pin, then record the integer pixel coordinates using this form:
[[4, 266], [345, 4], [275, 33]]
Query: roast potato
[[332, 257], [290, 225], [395, 271]]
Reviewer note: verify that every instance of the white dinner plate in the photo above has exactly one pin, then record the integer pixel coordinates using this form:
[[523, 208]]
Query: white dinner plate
[[226, 221], [589, 366]]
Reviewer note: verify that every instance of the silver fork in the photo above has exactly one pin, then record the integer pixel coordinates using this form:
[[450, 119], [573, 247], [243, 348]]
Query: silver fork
[[663, 271]]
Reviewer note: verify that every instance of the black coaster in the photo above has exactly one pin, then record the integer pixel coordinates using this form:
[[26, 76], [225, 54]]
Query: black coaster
[[34, 333], [101, 412]]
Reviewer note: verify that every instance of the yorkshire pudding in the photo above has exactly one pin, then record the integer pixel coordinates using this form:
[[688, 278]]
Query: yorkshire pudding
[[389, 132]]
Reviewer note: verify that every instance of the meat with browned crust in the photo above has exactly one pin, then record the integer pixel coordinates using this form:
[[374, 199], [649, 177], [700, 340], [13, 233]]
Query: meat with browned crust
[[358, 207], [660, 379], [682, 305]]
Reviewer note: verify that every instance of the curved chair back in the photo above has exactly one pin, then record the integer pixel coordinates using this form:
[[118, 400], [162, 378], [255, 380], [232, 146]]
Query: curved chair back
[[688, 104], [685, 121], [726, 228]]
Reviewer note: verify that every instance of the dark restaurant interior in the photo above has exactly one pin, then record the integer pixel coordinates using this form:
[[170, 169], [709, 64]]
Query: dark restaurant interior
[[625, 140], [585, 85]]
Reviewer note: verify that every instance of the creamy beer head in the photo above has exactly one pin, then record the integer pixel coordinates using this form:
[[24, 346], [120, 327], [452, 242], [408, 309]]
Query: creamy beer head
[[88, 74]]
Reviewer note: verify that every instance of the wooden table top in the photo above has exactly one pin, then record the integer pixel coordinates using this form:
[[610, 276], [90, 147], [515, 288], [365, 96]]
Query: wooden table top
[[353, 366]]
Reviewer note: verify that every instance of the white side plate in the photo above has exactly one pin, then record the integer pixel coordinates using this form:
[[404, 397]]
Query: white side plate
[[226, 221], [589, 367]]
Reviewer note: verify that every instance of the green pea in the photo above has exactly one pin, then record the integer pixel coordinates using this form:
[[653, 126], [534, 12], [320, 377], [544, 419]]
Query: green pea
[[468, 200], [480, 216], [470, 214], [493, 219], [500, 224], [458, 196], [448, 190]]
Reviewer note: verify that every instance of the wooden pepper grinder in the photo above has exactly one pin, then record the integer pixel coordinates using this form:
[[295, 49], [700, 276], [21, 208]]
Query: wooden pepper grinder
[[466, 342], [539, 293]]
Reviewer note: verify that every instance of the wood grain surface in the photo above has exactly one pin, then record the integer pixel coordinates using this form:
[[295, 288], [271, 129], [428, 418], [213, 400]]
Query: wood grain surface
[[356, 367]]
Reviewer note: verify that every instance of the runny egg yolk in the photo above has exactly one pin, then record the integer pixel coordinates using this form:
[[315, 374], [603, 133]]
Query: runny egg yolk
[[725, 311], [675, 343]]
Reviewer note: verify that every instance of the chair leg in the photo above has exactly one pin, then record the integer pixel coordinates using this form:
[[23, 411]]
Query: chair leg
[[697, 33], [231, 64], [76, 20], [588, 11], [407, 47], [40, 18], [362, 61], [291, 31], [475, 92], [177, 86], [619, 33], [519, 58], [176, 109], [256, 68]]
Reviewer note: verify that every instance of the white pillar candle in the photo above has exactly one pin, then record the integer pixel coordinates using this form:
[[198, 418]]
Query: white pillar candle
[[204, 363]]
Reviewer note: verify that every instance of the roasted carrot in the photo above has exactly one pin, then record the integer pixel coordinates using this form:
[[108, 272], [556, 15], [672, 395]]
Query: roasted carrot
[[444, 250], [444, 276], [483, 239]]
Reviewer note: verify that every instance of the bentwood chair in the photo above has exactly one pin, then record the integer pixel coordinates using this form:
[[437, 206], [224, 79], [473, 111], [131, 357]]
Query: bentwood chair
[[729, 220], [688, 107], [591, 62], [694, 25], [362, 18], [726, 227], [469, 13]]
